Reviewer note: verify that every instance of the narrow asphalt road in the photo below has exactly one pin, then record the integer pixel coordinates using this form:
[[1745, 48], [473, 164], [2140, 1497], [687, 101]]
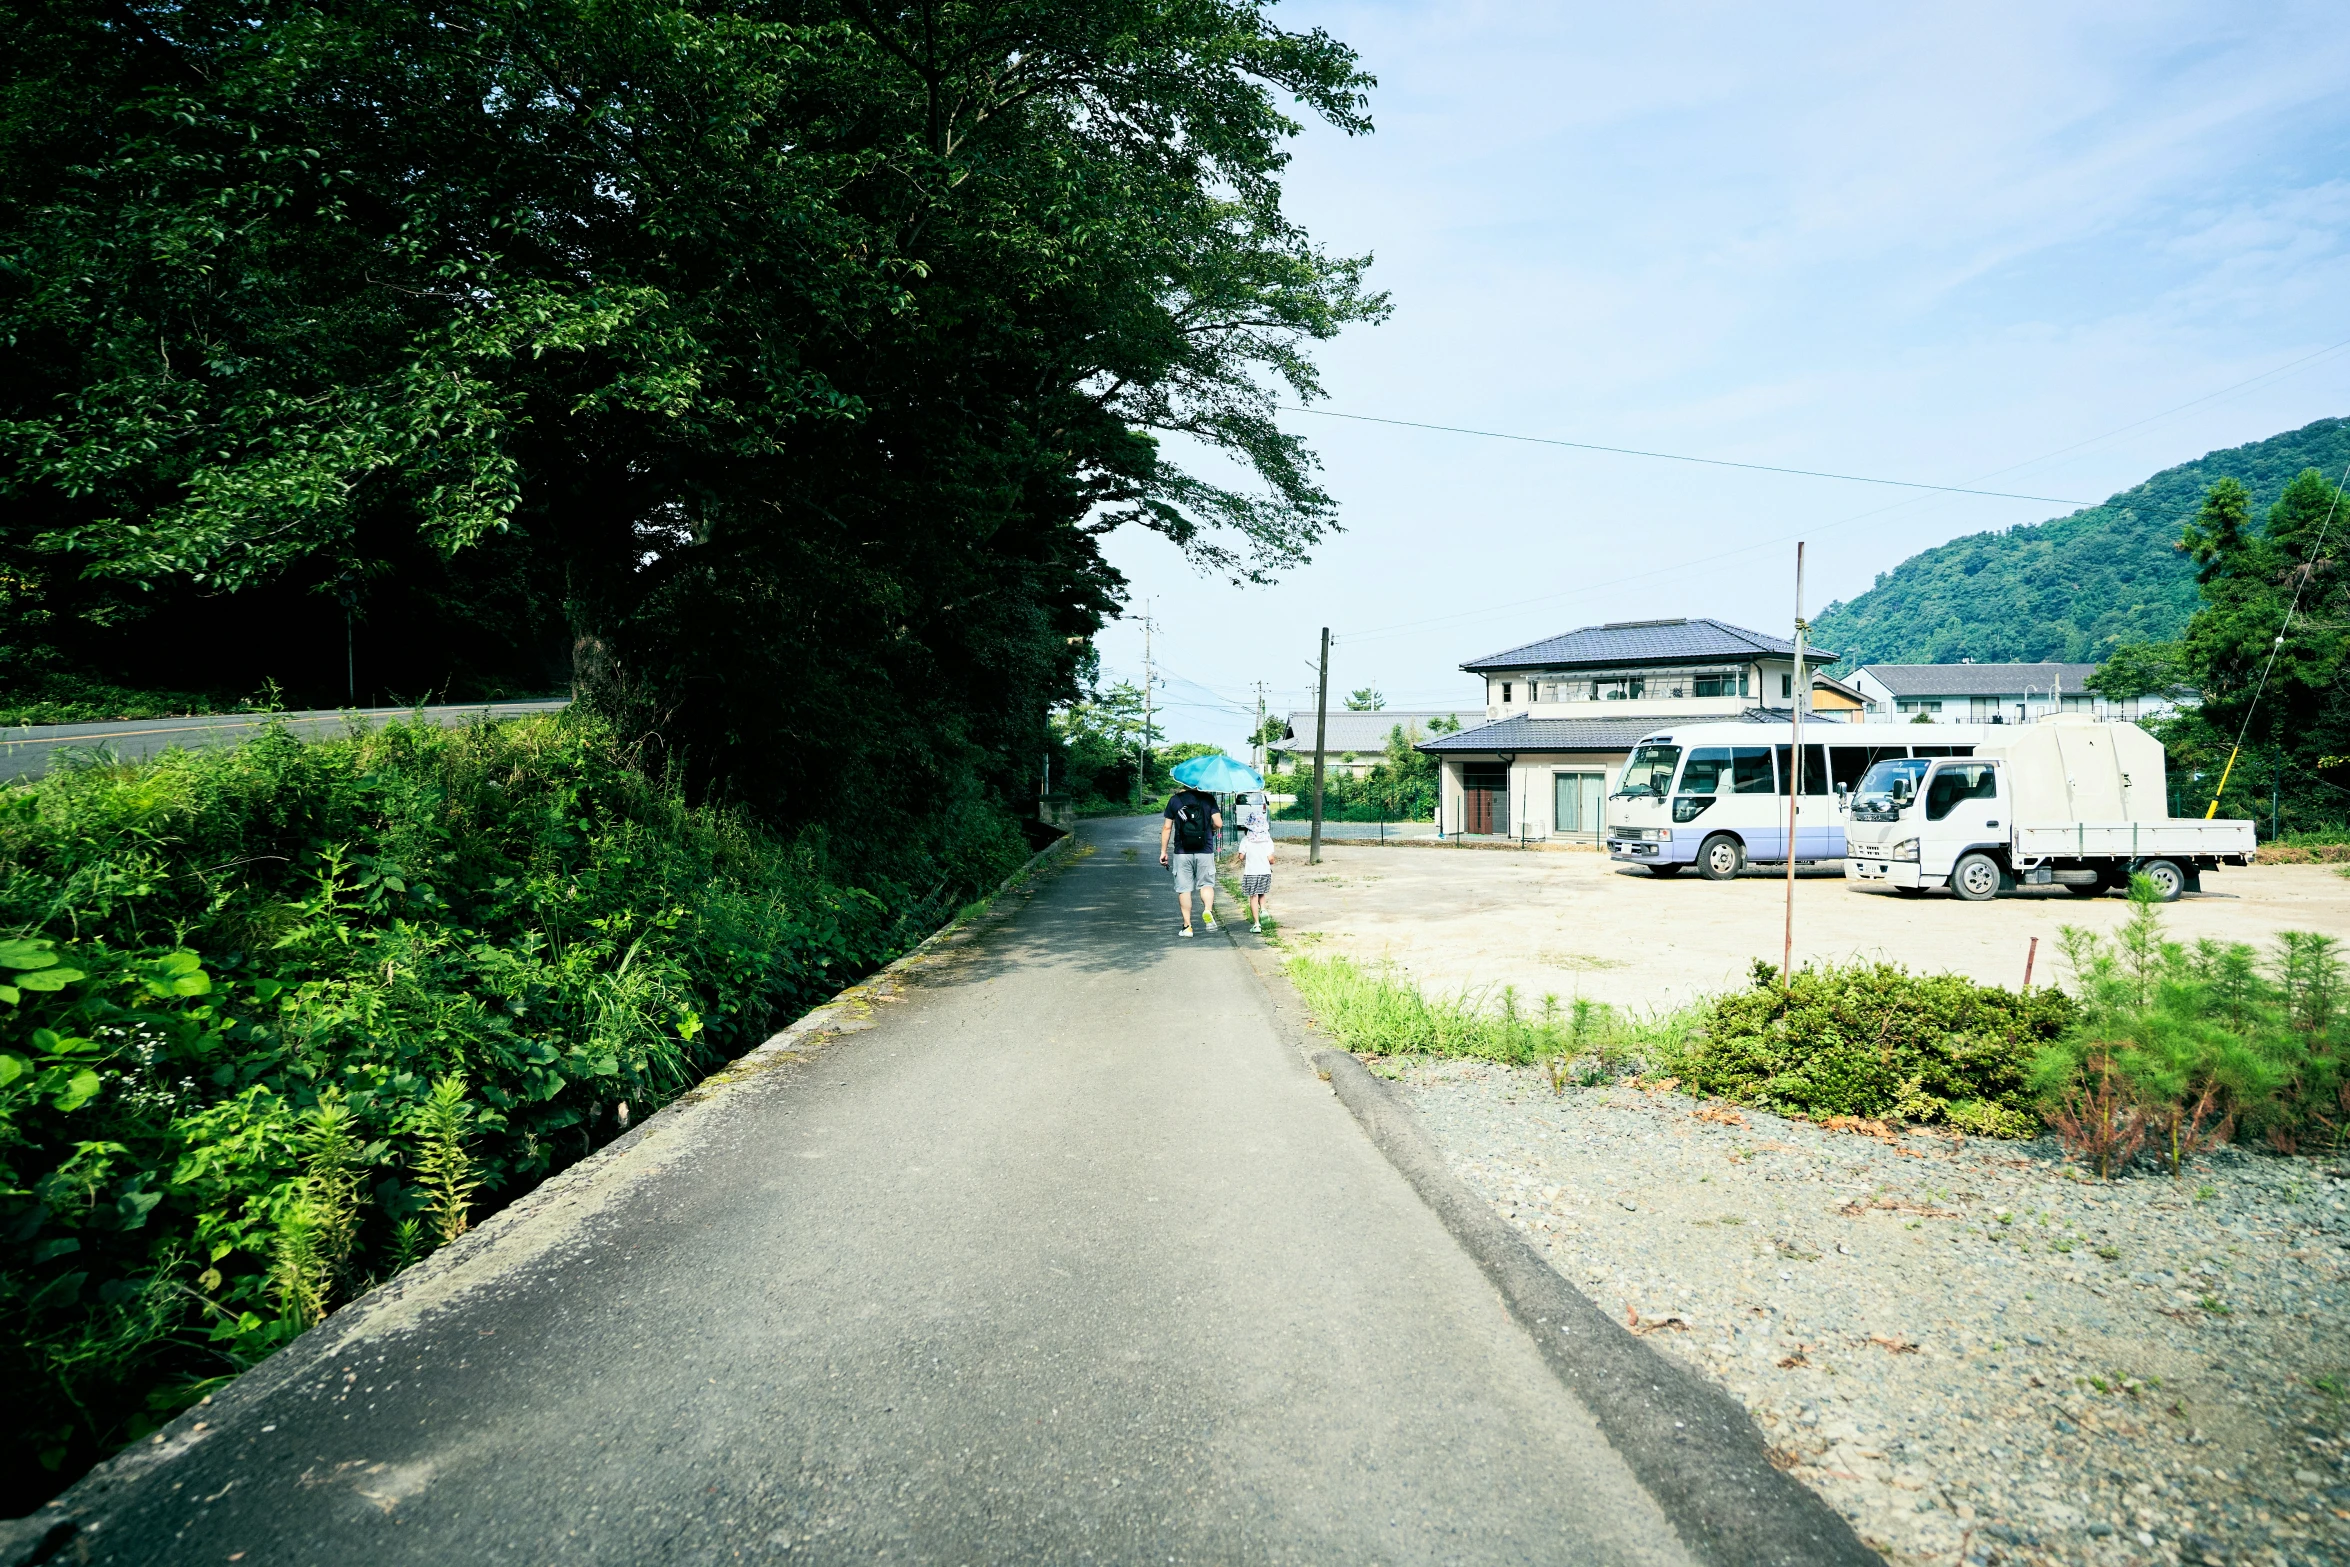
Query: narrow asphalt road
[[28, 751], [1068, 1258]]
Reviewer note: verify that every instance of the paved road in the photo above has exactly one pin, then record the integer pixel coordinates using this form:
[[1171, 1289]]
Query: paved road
[[28, 750], [1068, 1258]]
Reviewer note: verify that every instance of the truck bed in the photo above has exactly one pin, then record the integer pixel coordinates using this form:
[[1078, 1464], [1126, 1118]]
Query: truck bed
[[2178, 838]]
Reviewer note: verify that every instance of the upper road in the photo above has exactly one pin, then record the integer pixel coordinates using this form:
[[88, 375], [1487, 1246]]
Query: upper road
[[1068, 1257], [27, 751]]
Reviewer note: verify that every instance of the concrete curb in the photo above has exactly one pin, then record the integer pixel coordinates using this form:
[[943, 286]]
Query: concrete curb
[[1688, 1442], [44, 1533]]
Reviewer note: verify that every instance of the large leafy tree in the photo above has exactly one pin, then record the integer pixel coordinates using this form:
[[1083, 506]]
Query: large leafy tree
[[769, 372], [2268, 652]]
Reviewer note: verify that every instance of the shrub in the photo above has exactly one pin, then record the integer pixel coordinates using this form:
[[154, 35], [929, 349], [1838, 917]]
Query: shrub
[[1875, 1041], [276, 1020], [2205, 1042]]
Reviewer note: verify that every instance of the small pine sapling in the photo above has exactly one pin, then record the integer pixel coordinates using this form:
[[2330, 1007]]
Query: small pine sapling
[[445, 1168]]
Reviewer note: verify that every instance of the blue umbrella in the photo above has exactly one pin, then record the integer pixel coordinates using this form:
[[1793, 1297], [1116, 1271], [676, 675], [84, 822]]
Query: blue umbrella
[[1218, 775]]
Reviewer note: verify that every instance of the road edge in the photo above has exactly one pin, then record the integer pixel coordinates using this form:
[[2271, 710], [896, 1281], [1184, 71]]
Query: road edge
[[40, 1535], [1690, 1444]]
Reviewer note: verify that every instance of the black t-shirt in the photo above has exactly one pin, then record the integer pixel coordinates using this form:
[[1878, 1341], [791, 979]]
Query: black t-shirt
[[1194, 816]]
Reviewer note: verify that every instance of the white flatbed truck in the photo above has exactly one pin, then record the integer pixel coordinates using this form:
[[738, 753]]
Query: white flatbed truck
[[2075, 802]]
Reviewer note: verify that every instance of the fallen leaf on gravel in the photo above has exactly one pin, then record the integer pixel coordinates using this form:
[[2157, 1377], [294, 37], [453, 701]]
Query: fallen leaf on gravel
[[1640, 1324], [1893, 1345], [1792, 1361], [1855, 1208], [1719, 1117]]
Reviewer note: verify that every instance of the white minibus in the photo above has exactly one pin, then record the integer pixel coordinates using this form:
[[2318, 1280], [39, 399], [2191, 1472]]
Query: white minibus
[[1714, 794]]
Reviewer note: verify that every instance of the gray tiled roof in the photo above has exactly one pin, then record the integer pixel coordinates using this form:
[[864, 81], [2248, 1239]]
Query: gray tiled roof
[[1632, 642], [1915, 680], [1520, 733], [1364, 733]]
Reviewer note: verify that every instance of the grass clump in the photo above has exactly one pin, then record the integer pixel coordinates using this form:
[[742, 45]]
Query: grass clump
[[1374, 1011], [1875, 1041], [277, 1020]]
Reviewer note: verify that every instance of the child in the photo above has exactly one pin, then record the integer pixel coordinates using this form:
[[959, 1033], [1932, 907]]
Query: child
[[1256, 863]]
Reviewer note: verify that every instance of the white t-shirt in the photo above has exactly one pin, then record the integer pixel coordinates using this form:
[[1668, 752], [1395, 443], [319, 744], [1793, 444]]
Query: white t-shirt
[[1256, 856]]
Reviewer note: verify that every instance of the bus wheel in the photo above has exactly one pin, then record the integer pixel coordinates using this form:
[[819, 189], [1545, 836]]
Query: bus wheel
[[2169, 881], [1975, 878], [1720, 857], [1664, 870]]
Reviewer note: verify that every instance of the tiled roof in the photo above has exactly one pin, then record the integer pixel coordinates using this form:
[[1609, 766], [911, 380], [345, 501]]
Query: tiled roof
[[1632, 642], [1363, 733], [1916, 680], [1520, 733]]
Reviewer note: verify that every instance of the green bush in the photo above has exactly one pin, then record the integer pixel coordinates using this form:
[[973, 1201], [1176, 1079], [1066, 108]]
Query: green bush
[[2210, 1041], [276, 1020], [70, 699], [1875, 1040]]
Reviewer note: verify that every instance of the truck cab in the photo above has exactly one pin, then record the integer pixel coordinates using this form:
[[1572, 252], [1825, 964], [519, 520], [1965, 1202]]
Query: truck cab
[[1917, 822]]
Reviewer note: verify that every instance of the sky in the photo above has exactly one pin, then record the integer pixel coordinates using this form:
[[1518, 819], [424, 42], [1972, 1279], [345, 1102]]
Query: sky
[[2031, 248]]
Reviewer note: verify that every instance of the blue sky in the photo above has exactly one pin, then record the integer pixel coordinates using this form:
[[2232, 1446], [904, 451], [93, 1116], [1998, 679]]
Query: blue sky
[[1961, 246]]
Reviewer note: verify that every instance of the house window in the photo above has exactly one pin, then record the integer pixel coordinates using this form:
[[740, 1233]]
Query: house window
[[1621, 690], [1505, 691], [1786, 685], [1921, 707]]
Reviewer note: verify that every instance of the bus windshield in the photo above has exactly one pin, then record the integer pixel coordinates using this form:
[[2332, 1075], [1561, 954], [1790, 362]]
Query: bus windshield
[[1889, 786], [1650, 772]]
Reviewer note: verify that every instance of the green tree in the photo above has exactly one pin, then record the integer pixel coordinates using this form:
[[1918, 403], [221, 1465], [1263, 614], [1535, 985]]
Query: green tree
[[1366, 700], [2278, 688], [770, 374]]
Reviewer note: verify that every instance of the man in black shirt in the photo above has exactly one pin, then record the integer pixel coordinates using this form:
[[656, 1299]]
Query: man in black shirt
[[1190, 828]]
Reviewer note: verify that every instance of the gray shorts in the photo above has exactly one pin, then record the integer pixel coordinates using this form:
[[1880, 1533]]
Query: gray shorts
[[1193, 872]]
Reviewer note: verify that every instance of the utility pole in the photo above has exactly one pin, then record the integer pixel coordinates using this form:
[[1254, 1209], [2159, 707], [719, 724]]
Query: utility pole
[[1256, 740], [1321, 735], [1794, 777], [1142, 749]]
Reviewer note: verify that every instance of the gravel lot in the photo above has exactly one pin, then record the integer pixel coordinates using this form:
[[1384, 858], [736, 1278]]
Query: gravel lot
[[1572, 923], [1977, 1353]]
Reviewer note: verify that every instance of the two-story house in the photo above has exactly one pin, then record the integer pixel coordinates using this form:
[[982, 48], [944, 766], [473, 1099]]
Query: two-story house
[[1969, 693], [1563, 713]]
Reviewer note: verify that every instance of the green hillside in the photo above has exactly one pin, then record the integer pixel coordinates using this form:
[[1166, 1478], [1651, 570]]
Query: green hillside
[[2070, 588]]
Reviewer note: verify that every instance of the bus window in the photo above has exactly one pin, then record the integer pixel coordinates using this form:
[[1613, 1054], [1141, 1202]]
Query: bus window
[[1706, 766], [1849, 764], [1941, 750], [1649, 772], [1750, 769], [1815, 769]]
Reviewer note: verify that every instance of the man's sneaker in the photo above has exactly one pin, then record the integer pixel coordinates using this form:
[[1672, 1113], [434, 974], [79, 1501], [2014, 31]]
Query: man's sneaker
[[1211, 923], [1185, 931]]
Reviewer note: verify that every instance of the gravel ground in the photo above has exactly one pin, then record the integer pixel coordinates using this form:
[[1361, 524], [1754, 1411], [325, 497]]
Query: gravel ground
[[1976, 1352]]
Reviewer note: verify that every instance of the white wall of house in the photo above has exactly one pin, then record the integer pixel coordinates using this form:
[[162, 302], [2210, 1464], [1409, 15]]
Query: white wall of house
[[1533, 790], [1664, 693]]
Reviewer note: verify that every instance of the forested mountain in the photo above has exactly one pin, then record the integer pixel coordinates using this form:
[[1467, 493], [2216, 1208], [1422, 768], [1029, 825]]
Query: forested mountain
[[2071, 588]]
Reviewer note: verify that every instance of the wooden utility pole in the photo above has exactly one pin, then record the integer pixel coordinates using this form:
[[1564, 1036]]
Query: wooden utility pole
[[1321, 735], [1794, 777], [1142, 749]]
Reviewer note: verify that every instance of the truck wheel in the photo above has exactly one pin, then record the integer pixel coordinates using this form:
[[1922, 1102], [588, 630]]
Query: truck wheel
[[1664, 870], [1975, 878], [2169, 881], [1720, 857]]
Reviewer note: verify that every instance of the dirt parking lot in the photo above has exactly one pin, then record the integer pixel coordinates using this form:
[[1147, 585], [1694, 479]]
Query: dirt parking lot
[[1574, 923]]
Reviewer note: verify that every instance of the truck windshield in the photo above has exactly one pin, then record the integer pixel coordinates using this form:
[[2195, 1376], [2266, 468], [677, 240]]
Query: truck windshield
[[1889, 786], [1650, 772]]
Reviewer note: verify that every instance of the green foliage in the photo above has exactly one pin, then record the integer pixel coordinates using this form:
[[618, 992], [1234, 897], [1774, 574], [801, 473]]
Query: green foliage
[[1874, 1040], [1400, 787], [65, 699], [1378, 1013], [2189, 1046], [2071, 589], [277, 1019], [770, 372], [2296, 727], [1365, 700]]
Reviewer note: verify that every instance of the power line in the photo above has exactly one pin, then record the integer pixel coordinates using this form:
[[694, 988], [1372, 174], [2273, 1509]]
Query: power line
[[1710, 462]]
